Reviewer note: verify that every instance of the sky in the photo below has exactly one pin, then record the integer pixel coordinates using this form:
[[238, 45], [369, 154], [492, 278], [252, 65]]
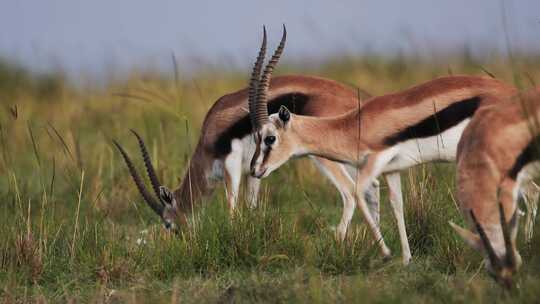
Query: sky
[[98, 35]]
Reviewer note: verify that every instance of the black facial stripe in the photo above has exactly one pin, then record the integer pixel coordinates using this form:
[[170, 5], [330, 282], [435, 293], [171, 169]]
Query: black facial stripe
[[266, 155], [437, 123], [257, 150], [529, 154], [295, 102]]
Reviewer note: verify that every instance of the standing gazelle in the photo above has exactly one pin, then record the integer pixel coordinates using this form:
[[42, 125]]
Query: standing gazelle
[[387, 134], [225, 146], [497, 154]]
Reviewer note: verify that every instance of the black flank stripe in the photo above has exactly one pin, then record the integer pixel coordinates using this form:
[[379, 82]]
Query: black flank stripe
[[295, 102], [529, 154], [437, 123]]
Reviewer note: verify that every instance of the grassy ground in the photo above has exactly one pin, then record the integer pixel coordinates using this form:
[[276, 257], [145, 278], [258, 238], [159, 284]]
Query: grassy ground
[[73, 227]]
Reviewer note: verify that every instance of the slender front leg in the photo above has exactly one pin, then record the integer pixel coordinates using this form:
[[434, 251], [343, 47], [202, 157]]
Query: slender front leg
[[373, 199], [372, 194], [374, 165], [233, 175], [253, 185], [396, 201], [337, 174]]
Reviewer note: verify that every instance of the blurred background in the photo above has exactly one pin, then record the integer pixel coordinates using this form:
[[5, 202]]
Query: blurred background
[[74, 75], [100, 36]]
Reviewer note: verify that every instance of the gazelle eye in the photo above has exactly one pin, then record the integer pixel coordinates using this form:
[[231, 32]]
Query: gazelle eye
[[269, 140]]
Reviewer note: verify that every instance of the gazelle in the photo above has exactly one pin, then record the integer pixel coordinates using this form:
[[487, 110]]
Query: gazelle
[[226, 144], [385, 135], [498, 153]]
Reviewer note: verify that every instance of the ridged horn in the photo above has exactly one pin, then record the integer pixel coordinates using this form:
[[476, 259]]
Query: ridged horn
[[149, 167], [493, 258], [254, 82], [139, 183], [510, 260], [261, 110]]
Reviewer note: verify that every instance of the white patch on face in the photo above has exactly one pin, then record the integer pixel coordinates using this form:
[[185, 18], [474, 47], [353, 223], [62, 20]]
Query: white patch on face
[[495, 235], [266, 130], [442, 147], [274, 119]]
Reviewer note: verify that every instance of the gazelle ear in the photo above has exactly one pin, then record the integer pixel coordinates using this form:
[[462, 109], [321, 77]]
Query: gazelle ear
[[284, 114], [470, 238], [167, 196]]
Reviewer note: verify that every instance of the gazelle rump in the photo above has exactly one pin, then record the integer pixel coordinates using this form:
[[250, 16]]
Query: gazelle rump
[[226, 145], [497, 155], [387, 134]]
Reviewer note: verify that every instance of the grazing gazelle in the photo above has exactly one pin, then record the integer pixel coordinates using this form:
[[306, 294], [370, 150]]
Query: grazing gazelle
[[387, 134], [498, 152], [226, 144]]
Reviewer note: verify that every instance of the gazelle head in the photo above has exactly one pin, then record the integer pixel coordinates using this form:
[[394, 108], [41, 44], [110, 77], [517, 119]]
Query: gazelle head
[[501, 262], [167, 208], [276, 142], [274, 146]]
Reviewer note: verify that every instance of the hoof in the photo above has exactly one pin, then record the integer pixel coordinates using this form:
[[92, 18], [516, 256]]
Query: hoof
[[406, 261]]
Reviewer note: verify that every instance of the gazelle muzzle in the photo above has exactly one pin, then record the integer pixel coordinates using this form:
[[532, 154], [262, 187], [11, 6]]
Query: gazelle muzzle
[[503, 269]]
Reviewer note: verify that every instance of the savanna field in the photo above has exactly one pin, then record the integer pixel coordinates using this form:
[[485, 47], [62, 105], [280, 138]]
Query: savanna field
[[73, 227]]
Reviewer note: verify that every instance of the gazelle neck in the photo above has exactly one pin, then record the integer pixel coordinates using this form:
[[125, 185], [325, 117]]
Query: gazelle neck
[[194, 186], [336, 138]]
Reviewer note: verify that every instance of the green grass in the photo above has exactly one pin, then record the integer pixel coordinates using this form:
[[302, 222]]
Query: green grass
[[71, 217]]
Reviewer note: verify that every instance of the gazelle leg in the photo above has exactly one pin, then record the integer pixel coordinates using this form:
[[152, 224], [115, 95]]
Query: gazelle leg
[[374, 165], [253, 185], [339, 177], [372, 194], [233, 174], [373, 199], [396, 201]]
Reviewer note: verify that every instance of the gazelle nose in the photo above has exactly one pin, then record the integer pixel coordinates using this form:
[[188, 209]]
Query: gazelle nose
[[256, 174]]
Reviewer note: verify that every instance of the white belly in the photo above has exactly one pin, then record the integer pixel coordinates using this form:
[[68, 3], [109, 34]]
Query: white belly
[[442, 147]]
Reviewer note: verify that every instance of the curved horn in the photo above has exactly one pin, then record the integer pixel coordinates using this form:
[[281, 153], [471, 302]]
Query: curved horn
[[149, 168], [254, 82], [510, 260], [138, 182], [261, 113], [493, 258]]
